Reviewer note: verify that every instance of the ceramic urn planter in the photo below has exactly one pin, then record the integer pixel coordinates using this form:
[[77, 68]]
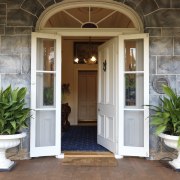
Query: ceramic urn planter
[[6, 142], [172, 142]]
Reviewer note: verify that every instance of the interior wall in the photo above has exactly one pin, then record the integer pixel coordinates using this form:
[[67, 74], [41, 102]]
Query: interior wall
[[70, 75]]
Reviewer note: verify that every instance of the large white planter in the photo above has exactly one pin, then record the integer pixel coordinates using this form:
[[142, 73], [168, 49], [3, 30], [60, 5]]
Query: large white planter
[[6, 142], [172, 141]]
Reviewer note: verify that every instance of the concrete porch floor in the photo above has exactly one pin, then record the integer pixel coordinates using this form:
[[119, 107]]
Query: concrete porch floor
[[50, 168]]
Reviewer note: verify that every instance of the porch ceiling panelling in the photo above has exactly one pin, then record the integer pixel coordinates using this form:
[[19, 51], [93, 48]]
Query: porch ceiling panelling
[[160, 18]]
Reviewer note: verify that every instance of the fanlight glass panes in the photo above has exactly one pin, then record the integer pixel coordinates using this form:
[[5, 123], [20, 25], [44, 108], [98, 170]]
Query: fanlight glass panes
[[46, 59], [100, 17], [134, 60], [46, 90]]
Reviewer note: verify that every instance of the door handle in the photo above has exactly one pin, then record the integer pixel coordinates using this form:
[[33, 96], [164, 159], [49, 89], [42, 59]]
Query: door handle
[[98, 109]]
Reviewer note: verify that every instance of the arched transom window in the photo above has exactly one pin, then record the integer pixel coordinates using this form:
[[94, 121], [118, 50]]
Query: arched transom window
[[89, 17]]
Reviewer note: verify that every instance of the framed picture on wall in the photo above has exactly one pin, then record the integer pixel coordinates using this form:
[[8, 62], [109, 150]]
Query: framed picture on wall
[[84, 50]]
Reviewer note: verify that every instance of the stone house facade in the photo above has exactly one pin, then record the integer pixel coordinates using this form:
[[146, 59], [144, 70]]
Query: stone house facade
[[160, 19]]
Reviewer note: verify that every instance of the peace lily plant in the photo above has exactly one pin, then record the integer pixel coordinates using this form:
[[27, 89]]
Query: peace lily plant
[[13, 117], [166, 119]]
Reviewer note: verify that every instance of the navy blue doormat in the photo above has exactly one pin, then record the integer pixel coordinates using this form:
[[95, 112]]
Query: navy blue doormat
[[81, 138]]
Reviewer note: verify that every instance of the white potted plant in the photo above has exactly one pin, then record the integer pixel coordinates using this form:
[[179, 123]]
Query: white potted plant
[[166, 119], [13, 117]]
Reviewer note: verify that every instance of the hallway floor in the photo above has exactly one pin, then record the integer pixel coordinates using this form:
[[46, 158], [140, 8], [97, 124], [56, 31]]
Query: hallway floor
[[50, 168], [81, 138]]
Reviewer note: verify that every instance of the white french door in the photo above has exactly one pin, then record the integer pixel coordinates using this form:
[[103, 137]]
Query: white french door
[[133, 95], [45, 134], [107, 99]]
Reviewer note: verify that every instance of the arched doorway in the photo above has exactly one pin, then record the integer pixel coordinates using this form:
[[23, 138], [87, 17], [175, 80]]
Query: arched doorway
[[79, 19]]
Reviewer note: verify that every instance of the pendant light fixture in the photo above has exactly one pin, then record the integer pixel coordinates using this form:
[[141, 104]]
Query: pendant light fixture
[[91, 54], [91, 57]]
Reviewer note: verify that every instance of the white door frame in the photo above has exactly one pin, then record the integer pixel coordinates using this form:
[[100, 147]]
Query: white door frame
[[105, 34], [109, 32]]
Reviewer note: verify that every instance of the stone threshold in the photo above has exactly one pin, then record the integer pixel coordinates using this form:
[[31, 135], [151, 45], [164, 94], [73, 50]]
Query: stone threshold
[[87, 154]]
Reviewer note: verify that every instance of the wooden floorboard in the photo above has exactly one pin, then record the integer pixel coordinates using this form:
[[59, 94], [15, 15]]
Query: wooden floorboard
[[50, 168]]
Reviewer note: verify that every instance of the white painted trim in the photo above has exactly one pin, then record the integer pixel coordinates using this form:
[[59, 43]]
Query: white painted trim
[[60, 156], [50, 11], [118, 156], [93, 32]]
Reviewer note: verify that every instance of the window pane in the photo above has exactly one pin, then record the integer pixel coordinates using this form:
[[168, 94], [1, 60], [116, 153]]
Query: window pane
[[46, 55], [134, 90], [45, 90], [134, 55]]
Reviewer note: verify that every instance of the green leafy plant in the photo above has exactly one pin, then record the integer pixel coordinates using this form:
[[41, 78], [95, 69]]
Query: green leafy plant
[[13, 114], [166, 117]]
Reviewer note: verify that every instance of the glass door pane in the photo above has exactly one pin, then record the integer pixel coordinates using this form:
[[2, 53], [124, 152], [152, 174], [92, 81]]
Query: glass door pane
[[134, 60], [46, 60], [134, 84], [46, 85]]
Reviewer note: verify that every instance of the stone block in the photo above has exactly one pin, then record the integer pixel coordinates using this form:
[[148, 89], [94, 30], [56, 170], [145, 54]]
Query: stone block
[[175, 4], [2, 9], [155, 101], [153, 31], [161, 46], [178, 84], [151, 89], [177, 46], [15, 44], [18, 17], [154, 141], [148, 6], [2, 29], [16, 80], [23, 30], [59, 1], [132, 3], [152, 65], [163, 3], [26, 63], [9, 31], [26, 140], [168, 64], [32, 6], [15, 4], [46, 3], [10, 64], [171, 32], [163, 18], [2, 19]]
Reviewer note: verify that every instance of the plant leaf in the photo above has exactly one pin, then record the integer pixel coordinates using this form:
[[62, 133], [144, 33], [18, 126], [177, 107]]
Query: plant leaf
[[160, 129]]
